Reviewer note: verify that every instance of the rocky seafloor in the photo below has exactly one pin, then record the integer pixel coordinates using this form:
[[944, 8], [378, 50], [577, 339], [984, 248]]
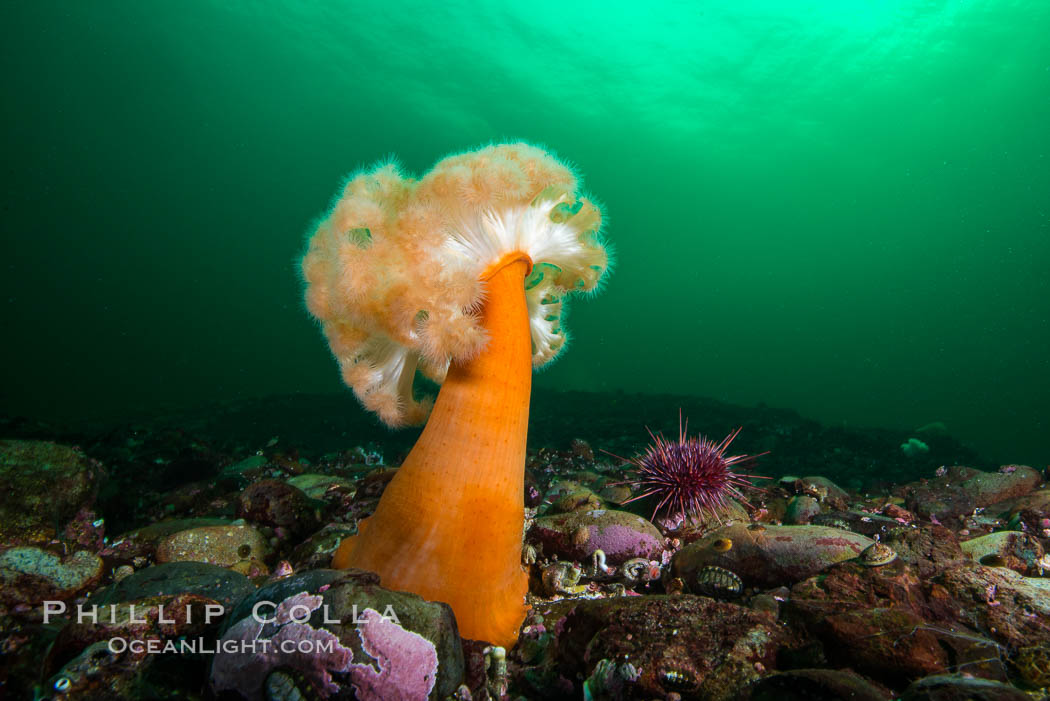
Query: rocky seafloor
[[876, 564]]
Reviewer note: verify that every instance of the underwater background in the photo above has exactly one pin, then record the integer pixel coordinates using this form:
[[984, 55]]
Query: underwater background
[[841, 208]]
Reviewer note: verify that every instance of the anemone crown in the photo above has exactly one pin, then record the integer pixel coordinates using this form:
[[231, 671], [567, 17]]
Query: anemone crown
[[395, 270]]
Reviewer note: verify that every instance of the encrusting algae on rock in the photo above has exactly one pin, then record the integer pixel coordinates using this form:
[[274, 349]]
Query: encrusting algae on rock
[[462, 276]]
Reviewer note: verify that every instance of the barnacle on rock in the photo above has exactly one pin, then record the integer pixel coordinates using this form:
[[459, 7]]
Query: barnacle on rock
[[877, 554]]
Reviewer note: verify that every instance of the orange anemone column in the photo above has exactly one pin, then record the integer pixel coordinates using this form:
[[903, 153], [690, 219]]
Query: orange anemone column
[[449, 524]]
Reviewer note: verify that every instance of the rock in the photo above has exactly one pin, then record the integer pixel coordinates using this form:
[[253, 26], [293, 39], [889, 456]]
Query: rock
[[768, 556], [960, 490], [897, 513], [615, 494], [142, 543], [691, 527], [98, 673], [889, 624], [1001, 600], [316, 552], [954, 687], [280, 505], [824, 490], [373, 484], [801, 510], [1032, 664], [211, 581], [206, 498], [239, 470], [891, 645], [688, 645], [1038, 501], [156, 618], [42, 486], [862, 522], [1010, 482], [850, 586], [565, 496], [86, 532], [576, 535], [1020, 552], [347, 620], [579, 448], [817, 685], [319, 486], [930, 549], [217, 545], [30, 576]]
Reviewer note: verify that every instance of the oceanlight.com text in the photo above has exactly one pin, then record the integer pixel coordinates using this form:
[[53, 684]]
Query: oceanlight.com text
[[202, 646]]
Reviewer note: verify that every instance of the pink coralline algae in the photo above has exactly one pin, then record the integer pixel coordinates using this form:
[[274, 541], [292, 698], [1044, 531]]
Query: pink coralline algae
[[314, 653], [407, 662], [403, 665]]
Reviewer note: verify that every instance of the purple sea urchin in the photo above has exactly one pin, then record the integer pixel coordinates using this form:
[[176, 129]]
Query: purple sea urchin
[[690, 474]]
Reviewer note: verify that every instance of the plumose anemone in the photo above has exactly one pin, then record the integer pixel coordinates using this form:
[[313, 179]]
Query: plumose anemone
[[461, 275], [690, 475]]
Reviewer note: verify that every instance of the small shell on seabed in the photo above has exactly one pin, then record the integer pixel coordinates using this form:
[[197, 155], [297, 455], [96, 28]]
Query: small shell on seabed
[[877, 555], [639, 569], [718, 583]]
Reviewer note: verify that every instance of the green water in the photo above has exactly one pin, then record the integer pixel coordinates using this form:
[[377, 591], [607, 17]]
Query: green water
[[840, 207]]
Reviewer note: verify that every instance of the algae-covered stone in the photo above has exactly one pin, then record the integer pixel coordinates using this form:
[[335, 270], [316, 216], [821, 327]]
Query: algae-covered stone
[[961, 489], [280, 505], [141, 544], [956, 687], [216, 545], [1037, 501], [930, 549], [318, 486], [366, 640], [42, 486], [576, 535], [890, 644], [691, 646], [810, 684], [768, 556], [218, 583], [29, 575], [1018, 551], [317, 550], [1014, 606], [566, 495], [801, 509], [862, 522], [688, 527]]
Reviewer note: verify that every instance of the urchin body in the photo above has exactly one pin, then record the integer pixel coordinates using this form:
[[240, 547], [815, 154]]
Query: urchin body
[[690, 475]]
